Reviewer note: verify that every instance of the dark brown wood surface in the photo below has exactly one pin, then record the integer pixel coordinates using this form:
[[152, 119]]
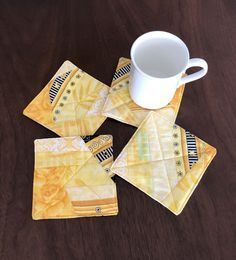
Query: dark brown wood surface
[[35, 38]]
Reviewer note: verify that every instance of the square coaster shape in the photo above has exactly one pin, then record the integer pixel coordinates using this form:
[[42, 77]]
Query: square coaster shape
[[164, 161], [70, 181], [71, 103], [121, 107]]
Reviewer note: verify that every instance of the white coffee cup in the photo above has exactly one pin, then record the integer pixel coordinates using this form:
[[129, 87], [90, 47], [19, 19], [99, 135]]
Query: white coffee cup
[[158, 62]]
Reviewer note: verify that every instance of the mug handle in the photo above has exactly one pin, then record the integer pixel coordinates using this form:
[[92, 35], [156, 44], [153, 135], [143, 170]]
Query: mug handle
[[195, 62]]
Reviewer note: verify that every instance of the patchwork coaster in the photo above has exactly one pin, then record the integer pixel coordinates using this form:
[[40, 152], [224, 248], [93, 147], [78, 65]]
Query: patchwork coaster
[[120, 106], [164, 161], [70, 104], [71, 180]]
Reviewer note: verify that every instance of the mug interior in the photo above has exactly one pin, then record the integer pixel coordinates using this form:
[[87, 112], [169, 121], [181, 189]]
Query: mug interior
[[160, 54]]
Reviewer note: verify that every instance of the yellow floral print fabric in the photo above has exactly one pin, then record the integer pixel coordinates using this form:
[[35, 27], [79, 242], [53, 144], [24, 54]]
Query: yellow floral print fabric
[[71, 103], [70, 181], [164, 161], [121, 107]]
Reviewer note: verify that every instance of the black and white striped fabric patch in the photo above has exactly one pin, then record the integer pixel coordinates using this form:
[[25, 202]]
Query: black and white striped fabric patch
[[122, 71], [105, 154], [56, 85], [192, 148], [102, 155]]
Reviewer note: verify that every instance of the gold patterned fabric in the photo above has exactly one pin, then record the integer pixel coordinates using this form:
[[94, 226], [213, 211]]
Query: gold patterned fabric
[[121, 107], [71, 181], [164, 161], [70, 104], [101, 146]]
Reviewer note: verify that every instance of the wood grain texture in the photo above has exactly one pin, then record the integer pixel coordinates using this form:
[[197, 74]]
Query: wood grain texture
[[36, 37]]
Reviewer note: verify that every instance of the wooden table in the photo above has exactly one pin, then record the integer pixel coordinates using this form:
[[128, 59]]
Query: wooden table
[[36, 37]]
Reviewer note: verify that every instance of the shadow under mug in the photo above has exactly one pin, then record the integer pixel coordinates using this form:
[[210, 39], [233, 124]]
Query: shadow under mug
[[158, 61]]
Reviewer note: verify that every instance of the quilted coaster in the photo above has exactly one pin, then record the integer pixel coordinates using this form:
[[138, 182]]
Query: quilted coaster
[[70, 179], [120, 106], [70, 104], [165, 161]]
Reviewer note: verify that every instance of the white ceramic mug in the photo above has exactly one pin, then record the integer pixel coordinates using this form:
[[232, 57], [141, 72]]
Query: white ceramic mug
[[158, 61]]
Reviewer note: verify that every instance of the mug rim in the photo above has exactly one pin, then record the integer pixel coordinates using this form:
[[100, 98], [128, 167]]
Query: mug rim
[[158, 33]]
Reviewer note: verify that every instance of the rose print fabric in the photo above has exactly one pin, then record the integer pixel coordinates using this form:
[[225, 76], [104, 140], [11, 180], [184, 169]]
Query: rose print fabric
[[70, 181]]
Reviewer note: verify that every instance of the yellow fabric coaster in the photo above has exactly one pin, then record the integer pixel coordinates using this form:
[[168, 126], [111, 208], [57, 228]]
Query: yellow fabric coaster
[[120, 106], [70, 104], [71, 181], [164, 161]]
